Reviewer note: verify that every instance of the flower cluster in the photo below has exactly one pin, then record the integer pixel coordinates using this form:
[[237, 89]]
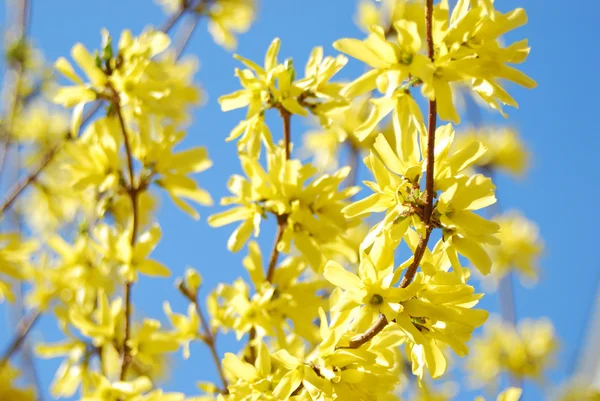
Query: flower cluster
[[523, 352], [358, 294]]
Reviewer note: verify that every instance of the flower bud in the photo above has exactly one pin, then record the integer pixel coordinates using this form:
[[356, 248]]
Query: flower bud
[[193, 279]]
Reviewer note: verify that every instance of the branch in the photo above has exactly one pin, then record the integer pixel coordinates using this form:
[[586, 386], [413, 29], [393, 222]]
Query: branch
[[190, 28], [287, 130], [23, 329], [281, 225], [132, 191], [353, 156], [208, 337], [381, 322], [281, 220]]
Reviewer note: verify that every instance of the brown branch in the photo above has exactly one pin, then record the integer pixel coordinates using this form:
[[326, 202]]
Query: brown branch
[[409, 275], [208, 337], [287, 130], [23, 329], [281, 226], [132, 191], [281, 220]]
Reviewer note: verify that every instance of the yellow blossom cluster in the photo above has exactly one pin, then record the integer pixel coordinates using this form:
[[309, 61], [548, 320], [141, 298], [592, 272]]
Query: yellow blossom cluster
[[358, 294], [523, 352]]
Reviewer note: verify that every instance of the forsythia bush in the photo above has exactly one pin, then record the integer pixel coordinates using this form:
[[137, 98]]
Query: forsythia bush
[[332, 312]]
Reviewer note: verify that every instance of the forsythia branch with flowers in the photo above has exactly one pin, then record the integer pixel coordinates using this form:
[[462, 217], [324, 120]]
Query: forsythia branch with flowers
[[330, 314]]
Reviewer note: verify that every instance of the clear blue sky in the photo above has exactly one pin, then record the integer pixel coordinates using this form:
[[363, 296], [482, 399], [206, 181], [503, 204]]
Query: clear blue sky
[[557, 120]]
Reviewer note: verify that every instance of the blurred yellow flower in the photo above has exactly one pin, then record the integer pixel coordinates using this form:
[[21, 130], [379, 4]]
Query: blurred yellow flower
[[524, 352], [506, 151]]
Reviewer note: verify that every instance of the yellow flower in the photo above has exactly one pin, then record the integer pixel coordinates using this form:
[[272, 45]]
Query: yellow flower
[[391, 63], [103, 389], [467, 50], [372, 289], [523, 352], [228, 17], [325, 143], [505, 150], [311, 210], [274, 86], [186, 328], [389, 11], [95, 159], [8, 390], [72, 371], [116, 247], [249, 380], [510, 394], [133, 77], [520, 247], [171, 169]]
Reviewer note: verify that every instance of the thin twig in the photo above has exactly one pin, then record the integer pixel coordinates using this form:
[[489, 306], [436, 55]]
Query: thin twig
[[353, 154], [208, 337], [132, 191], [281, 225], [281, 220], [187, 36], [409, 275], [287, 130], [23, 329]]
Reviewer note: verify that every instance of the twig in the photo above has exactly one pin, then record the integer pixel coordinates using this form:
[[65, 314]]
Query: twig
[[353, 154], [281, 225], [381, 322], [287, 130], [132, 191], [281, 220], [23, 329], [187, 36], [208, 337]]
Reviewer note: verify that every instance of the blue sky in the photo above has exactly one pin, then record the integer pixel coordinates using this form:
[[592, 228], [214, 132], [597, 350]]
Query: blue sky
[[557, 121]]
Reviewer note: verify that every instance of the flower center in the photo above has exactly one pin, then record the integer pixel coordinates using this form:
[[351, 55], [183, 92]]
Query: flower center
[[376, 299], [406, 58]]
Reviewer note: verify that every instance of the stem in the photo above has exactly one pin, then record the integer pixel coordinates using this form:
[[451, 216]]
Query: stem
[[208, 337], [187, 36], [281, 225], [23, 329], [381, 322], [132, 190], [354, 152], [281, 220], [287, 130]]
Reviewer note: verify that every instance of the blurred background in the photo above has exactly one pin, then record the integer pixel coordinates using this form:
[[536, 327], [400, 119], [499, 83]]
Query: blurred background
[[556, 121]]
